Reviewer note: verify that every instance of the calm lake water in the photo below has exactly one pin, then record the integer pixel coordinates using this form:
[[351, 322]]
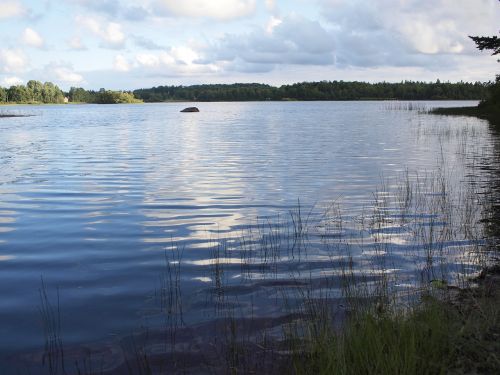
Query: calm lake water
[[94, 199]]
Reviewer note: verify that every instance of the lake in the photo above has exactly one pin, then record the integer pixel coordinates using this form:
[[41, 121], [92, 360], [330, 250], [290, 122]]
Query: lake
[[108, 204]]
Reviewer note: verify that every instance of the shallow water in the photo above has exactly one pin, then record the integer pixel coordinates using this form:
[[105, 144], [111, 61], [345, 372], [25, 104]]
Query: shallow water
[[92, 198]]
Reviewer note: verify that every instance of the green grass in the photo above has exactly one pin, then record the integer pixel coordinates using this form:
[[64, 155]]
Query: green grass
[[456, 335], [382, 344]]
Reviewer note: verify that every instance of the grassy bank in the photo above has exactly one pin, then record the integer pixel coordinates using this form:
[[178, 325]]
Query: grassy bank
[[488, 109], [457, 332], [486, 112]]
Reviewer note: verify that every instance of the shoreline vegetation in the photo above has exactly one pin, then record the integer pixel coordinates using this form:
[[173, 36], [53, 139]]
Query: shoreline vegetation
[[456, 331], [488, 108], [490, 113], [317, 91], [35, 92]]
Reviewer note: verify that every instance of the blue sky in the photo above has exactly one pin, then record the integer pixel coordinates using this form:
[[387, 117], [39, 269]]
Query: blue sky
[[125, 44]]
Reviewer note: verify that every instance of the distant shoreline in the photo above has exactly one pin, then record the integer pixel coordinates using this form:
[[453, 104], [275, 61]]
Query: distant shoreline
[[251, 101], [35, 92]]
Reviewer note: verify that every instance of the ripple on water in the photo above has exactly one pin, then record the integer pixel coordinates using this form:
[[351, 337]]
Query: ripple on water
[[98, 200]]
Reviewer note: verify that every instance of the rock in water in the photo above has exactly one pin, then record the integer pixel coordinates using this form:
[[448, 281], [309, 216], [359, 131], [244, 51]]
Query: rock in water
[[190, 109]]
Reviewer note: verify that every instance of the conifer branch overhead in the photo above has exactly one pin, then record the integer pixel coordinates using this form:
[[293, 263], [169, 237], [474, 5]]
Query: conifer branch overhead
[[488, 43]]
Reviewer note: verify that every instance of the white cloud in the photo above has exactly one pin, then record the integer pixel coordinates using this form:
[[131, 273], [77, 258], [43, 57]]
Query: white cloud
[[220, 9], [11, 81], [121, 64], [428, 36], [63, 73], [184, 55], [110, 33], [113, 34], [12, 61], [417, 33], [89, 23], [443, 37], [293, 40], [272, 23], [31, 38], [60, 73], [175, 61], [76, 43], [148, 60], [11, 8], [68, 76]]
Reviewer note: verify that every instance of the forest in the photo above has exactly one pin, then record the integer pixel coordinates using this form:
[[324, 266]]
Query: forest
[[324, 90], [32, 92], [35, 92], [80, 95]]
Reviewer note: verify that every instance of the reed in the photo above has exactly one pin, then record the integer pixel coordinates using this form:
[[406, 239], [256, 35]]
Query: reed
[[406, 106], [53, 357]]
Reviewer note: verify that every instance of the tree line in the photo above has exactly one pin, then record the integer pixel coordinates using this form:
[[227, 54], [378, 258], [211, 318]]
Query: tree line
[[37, 92], [80, 95], [32, 92], [324, 90]]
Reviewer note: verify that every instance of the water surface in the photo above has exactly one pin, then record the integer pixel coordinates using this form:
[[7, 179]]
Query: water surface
[[93, 197]]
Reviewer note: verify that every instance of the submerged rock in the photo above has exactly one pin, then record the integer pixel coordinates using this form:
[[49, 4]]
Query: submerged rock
[[190, 109]]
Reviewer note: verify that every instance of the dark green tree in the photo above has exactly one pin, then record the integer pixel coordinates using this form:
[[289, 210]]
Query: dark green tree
[[80, 95], [487, 42], [324, 90], [18, 94], [490, 43]]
